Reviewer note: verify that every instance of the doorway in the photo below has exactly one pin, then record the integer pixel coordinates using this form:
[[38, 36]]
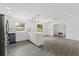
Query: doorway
[[59, 30]]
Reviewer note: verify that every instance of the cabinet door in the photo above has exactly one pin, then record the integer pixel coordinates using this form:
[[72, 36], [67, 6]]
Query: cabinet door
[[39, 40], [21, 36]]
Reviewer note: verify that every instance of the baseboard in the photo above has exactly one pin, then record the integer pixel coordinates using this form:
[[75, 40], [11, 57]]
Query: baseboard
[[21, 41]]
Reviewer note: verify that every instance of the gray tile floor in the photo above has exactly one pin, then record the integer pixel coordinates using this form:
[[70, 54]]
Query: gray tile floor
[[53, 46]]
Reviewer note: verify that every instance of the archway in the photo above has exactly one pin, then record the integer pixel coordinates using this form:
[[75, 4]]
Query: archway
[[59, 30]]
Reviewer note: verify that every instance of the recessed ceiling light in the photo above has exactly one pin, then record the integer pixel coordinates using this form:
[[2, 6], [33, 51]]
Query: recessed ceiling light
[[21, 15], [69, 14], [23, 12], [8, 8], [56, 18], [8, 11]]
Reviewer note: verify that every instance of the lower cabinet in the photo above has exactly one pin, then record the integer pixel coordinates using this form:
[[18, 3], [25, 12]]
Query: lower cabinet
[[36, 38], [21, 36]]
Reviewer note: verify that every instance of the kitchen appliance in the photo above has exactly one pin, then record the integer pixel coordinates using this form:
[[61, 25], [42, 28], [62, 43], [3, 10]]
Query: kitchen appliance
[[12, 38], [4, 29]]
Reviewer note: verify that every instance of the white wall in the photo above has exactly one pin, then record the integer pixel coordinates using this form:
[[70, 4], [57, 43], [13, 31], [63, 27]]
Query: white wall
[[72, 27]]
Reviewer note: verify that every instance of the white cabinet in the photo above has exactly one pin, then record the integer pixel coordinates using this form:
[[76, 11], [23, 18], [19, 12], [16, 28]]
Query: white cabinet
[[36, 38], [21, 36]]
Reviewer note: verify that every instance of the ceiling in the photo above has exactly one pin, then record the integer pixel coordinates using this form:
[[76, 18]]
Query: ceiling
[[45, 10]]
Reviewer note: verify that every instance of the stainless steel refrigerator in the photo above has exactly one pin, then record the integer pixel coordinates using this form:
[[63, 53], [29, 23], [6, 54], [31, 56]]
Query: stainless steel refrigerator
[[4, 28]]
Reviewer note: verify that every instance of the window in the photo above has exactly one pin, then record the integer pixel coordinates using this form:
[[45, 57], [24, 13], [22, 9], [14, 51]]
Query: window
[[20, 26], [39, 28]]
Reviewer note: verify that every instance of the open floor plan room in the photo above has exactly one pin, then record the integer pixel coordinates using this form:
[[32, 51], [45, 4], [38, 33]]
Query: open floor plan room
[[39, 29]]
